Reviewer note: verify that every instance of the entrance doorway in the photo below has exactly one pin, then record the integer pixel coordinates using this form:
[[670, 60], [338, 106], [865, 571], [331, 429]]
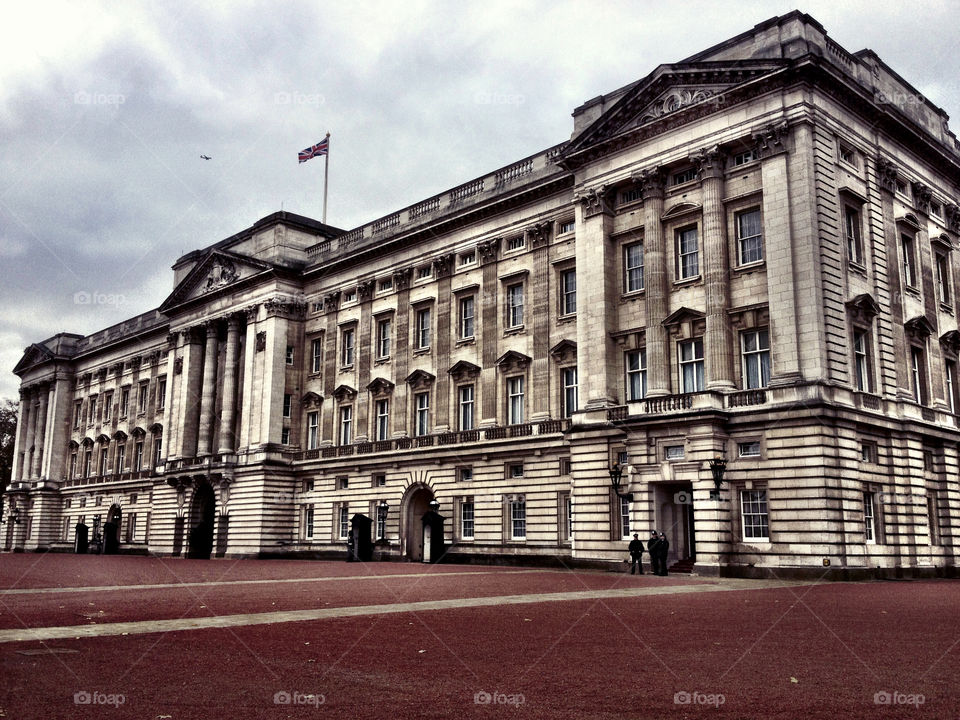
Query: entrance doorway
[[111, 530], [675, 519], [201, 522], [414, 506]]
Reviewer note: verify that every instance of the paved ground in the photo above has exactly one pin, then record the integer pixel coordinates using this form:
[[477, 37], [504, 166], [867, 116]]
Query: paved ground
[[147, 638]]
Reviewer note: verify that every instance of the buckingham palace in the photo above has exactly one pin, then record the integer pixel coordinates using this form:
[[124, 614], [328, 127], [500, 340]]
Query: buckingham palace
[[725, 309]]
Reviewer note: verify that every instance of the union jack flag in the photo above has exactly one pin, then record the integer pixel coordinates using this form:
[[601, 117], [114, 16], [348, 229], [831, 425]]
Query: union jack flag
[[321, 148]]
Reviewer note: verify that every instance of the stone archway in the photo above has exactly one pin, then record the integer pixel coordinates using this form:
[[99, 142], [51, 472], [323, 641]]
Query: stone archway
[[201, 522], [415, 504]]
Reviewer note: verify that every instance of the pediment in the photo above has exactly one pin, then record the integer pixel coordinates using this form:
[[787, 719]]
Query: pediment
[[670, 96], [918, 328], [420, 379], [682, 315], [218, 270], [950, 340], [380, 386], [35, 354], [311, 400], [462, 370], [564, 351], [863, 308], [344, 392], [512, 360]]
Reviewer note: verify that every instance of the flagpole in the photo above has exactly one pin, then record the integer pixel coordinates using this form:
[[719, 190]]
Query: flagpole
[[326, 169]]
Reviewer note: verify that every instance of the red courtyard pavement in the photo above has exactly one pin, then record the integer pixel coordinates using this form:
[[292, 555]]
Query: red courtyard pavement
[[149, 638]]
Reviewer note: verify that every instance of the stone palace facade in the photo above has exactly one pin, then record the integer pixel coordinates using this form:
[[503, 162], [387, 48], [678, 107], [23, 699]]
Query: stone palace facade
[[742, 263]]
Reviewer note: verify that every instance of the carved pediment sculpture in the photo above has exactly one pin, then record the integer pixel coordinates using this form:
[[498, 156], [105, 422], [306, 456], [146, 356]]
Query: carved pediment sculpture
[[222, 272]]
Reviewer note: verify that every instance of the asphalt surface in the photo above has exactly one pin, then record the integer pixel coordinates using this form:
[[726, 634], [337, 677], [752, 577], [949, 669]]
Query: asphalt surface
[[286, 639]]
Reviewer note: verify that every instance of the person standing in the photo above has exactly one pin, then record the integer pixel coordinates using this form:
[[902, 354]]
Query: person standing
[[652, 545], [636, 554], [663, 546]]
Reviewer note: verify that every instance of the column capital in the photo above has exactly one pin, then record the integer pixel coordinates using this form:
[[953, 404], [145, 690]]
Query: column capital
[[594, 201], [250, 313], [234, 319], [922, 196], [771, 139], [887, 174], [710, 162], [652, 182], [365, 290], [443, 265], [488, 251], [953, 217], [539, 234], [401, 281]]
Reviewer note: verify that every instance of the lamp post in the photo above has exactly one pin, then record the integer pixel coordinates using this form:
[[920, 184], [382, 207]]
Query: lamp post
[[616, 476], [718, 466], [434, 504], [382, 509]]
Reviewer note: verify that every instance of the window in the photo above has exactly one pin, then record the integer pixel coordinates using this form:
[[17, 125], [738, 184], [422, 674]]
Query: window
[[935, 210], [918, 374], [344, 522], [568, 502], [568, 288], [515, 470], [933, 521], [902, 188], [518, 519], [636, 375], [633, 267], [423, 272], [466, 518], [861, 360], [943, 277], [346, 424], [289, 355], [93, 409], [691, 366], [468, 258], [308, 486], [382, 419], [569, 391], [423, 413], [316, 355], [565, 466], [102, 466], [142, 393], [73, 467], [950, 376], [465, 321], [77, 414], [346, 347], [515, 305], [515, 400], [465, 403], [684, 176], [851, 227], [350, 296], [566, 226], [743, 158], [284, 436], [909, 260], [465, 474], [624, 517], [308, 522], [385, 285], [161, 395], [381, 524], [749, 236], [869, 518], [755, 348], [868, 452], [516, 243], [157, 451], [313, 430], [753, 512], [423, 328], [749, 449], [121, 457], [287, 402], [629, 196], [847, 154], [384, 331], [138, 456], [343, 482], [674, 452], [688, 258], [131, 529], [124, 401]]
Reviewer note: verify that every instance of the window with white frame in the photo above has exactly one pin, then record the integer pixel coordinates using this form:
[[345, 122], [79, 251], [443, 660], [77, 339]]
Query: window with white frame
[[942, 276], [308, 522], [346, 424], [515, 305], [852, 227], [755, 355], [108, 403], [423, 329], [862, 360], [688, 253], [384, 334], [869, 518], [465, 323], [517, 242], [568, 510], [468, 258], [157, 450], [624, 517], [950, 378], [93, 409], [570, 391], [347, 338], [568, 290], [350, 296], [466, 518], [121, 457], [288, 358], [918, 374], [636, 362], [465, 406], [753, 515], [143, 392], [381, 525], [744, 158], [750, 448], [344, 522], [465, 474], [633, 267], [313, 430], [909, 266], [104, 454], [316, 355], [124, 400], [422, 401], [749, 236], [137, 456], [674, 452], [691, 365], [382, 411], [424, 272], [385, 285], [566, 226], [933, 519], [284, 436], [161, 397], [515, 400], [518, 518], [684, 176]]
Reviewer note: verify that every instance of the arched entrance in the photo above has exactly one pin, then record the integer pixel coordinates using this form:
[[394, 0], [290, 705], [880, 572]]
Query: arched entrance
[[415, 504], [202, 511], [111, 530]]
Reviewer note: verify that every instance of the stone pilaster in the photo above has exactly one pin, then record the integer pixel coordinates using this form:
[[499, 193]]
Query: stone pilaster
[[538, 238], [229, 412], [656, 282], [43, 393], [21, 450], [364, 351], [248, 411], [489, 332], [30, 417], [208, 391], [442, 269]]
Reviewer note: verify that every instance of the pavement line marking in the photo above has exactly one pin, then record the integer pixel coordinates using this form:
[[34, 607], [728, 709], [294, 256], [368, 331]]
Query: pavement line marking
[[214, 583], [141, 627]]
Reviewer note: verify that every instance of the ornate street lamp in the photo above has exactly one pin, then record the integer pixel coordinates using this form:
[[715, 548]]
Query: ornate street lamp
[[718, 466], [434, 504], [382, 509], [616, 476]]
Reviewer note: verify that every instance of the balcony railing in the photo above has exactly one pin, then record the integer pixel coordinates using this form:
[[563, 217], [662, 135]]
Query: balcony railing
[[668, 403], [746, 398]]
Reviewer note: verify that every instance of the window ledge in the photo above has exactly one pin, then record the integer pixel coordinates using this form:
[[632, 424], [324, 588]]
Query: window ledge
[[632, 295], [751, 267], [346, 368], [564, 319], [421, 351], [946, 307], [467, 341], [911, 290], [514, 330], [381, 361], [688, 281]]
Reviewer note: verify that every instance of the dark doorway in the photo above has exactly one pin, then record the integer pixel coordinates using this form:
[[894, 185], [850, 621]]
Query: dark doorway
[[417, 505], [111, 531], [201, 522], [675, 519], [362, 546], [433, 548]]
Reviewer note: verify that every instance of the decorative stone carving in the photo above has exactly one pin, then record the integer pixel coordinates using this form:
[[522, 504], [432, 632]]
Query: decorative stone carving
[[443, 265], [285, 305], [135, 361], [953, 217], [918, 329], [677, 99], [771, 139], [261, 341], [365, 290], [886, 174], [344, 393], [710, 162], [539, 234], [401, 278], [863, 309], [512, 361], [488, 250], [564, 351], [594, 201], [380, 387], [420, 380], [311, 400], [950, 341], [117, 369], [331, 301], [463, 370], [177, 365], [652, 182], [101, 375], [250, 313], [222, 273], [922, 197]]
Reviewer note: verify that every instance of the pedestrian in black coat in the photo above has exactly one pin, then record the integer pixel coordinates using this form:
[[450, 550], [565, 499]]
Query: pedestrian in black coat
[[663, 547], [652, 546], [636, 554]]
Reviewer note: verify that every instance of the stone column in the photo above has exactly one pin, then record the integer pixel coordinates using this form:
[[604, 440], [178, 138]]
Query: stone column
[[248, 405], [43, 393], [538, 237], [363, 347], [489, 332], [446, 316], [29, 416], [656, 282], [21, 470], [401, 351], [719, 335], [208, 391], [229, 414]]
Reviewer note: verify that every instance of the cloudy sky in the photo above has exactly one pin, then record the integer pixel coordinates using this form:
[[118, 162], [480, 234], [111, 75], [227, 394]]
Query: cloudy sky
[[106, 108]]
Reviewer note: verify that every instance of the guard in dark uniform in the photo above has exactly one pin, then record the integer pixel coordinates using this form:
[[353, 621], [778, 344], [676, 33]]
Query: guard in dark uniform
[[652, 545], [636, 554], [663, 546]]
